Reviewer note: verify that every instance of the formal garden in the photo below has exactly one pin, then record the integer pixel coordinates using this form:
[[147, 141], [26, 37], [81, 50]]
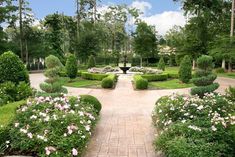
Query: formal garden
[[108, 83]]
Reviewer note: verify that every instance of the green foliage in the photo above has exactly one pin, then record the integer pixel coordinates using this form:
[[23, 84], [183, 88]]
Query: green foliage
[[185, 71], [109, 81], [93, 76], [191, 126], [93, 101], [203, 77], [205, 63], [220, 70], [140, 82], [10, 92], [91, 62], [230, 93], [71, 66], [62, 128], [52, 62], [161, 64], [12, 68], [145, 40], [155, 77], [55, 87]]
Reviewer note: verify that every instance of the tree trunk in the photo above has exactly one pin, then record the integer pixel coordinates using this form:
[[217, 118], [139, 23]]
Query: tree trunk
[[94, 11], [194, 64], [21, 29], [27, 52], [141, 61], [223, 64], [230, 65]]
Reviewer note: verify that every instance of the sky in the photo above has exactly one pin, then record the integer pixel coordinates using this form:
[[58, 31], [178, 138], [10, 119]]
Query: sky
[[163, 14]]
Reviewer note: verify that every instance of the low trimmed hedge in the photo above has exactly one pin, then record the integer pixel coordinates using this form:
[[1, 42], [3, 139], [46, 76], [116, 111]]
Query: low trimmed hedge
[[155, 77], [140, 82], [173, 75], [109, 81], [92, 76]]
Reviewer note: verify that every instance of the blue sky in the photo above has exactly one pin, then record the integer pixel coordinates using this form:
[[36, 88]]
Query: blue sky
[[163, 14], [43, 7]]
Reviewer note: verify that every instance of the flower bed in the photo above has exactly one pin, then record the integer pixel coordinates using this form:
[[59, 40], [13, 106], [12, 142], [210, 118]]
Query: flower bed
[[51, 127], [145, 70], [190, 126]]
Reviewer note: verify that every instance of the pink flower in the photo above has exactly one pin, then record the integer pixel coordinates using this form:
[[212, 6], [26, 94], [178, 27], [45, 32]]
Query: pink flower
[[74, 152], [30, 135], [49, 150]]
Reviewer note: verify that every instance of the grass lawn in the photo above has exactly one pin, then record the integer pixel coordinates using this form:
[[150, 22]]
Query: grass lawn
[[172, 70], [169, 84], [228, 75], [79, 83], [7, 112]]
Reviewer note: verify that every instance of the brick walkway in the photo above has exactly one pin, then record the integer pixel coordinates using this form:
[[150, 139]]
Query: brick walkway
[[125, 126]]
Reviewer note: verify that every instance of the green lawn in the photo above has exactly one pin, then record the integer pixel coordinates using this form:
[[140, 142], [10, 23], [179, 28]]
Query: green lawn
[[81, 83], [228, 75], [7, 112], [169, 84]]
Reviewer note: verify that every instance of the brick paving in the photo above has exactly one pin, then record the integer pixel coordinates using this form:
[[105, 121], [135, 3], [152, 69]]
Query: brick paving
[[125, 127]]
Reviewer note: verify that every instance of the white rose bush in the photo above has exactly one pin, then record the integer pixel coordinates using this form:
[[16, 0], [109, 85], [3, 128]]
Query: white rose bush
[[191, 126], [54, 127]]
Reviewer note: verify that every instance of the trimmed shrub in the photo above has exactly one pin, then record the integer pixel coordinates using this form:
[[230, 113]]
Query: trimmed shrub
[[161, 64], [91, 62], [220, 70], [12, 68], [204, 77], [54, 87], [10, 92], [185, 71], [173, 75], [52, 61], [109, 82], [140, 82], [156, 77], [93, 101], [71, 66], [93, 76]]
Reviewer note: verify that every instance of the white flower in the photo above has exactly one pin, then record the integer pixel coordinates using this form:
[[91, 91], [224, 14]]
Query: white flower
[[194, 128], [23, 131], [183, 121], [17, 124], [160, 111], [7, 142], [74, 152], [83, 136], [33, 117], [213, 128], [200, 107], [30, 135], [87, 127], [49, 150]]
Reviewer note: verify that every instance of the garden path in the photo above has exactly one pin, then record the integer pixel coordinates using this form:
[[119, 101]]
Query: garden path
[[125, 127]]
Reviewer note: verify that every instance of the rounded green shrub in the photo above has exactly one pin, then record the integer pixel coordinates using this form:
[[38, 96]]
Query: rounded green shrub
[[12, 68], [161, 64], [204, 77], [185, 71], [109, 81], [93, 101], [71, 66], [91, 62], [140, 82], [52, 61]]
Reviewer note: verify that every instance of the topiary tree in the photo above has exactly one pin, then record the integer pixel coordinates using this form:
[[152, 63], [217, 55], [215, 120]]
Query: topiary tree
[[161, 64], [185, 71], [12, 69], [71, 66], [91, 62], [54, 66], [204, 77]]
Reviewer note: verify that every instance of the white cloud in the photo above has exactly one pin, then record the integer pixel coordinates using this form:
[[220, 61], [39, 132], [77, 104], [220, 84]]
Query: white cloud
[[142, 6], [166, 20]]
